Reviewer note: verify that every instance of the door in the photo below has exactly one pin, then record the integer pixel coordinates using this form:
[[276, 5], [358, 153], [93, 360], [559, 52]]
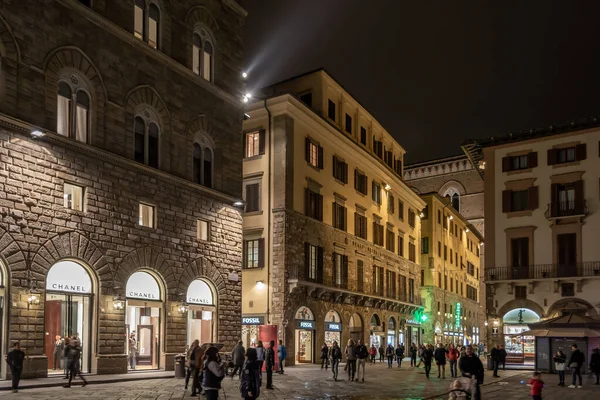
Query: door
[[567, 254], [145, 345], [520, 258]]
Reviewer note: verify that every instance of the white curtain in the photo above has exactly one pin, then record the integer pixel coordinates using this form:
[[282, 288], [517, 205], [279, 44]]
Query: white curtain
[[206, 66], [153, 33], [196, 59], [81, 124], [139, 22], [63, 116]]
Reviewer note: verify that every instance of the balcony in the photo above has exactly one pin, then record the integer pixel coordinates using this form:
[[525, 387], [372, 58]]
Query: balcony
[[564, 209], [543, 271]]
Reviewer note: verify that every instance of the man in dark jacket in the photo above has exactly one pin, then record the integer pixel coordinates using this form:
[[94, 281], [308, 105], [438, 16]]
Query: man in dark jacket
[[15, 361], [362, 353], [502, 354], [575, 363], [270, 363], [496, 359], [399, 354], [239, 356], [470, 366], [427, 358], [440, 360], [413, 355]]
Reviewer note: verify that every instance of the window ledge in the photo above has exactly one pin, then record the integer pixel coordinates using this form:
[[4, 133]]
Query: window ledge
[[256, 157], [517, 214], [566, 164], [252, 269], [338, 181], [360, 193], [313, 167], [251, 213], [519, 171]]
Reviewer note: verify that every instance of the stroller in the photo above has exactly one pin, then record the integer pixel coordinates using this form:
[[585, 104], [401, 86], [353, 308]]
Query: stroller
[[462, 389]]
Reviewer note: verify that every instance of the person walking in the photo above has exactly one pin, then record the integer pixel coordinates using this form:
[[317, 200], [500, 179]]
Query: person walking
[[559, 365], [351, 359], [471, 366], [237, 355], [389, 354], [281, 354], [362, 353], [190, 362], [399, 354], [440, 360], [214, 372], [59, 348], [536, 384], [250, 381], [197, 367], [132, 351], [15, 359], [324, 356], [66, 350], [502, 357], [427, 359], [495, 355], [413, 355], [260, 355], [270, 363], [336, 357], [381, 353], [373, 353], [75, 363], [575, 363], [453, 355], [595, 365]]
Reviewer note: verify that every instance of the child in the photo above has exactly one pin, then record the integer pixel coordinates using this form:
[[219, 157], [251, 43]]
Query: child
[[536, 384]]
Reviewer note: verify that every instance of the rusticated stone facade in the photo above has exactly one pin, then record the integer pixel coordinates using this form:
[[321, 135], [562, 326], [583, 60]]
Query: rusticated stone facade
[[124, 77]]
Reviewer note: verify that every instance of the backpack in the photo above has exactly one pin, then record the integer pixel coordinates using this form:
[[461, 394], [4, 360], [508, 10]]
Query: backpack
[[250, 381], [363, 352]]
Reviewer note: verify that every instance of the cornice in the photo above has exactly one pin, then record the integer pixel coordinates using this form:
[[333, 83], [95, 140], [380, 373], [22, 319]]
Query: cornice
[[236, 7]]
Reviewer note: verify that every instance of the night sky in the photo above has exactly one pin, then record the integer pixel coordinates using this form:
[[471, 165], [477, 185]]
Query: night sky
[[435, 73]]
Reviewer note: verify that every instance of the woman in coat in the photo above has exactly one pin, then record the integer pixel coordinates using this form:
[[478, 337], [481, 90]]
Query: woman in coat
[[336, 357], [351, 358], [559, 365]]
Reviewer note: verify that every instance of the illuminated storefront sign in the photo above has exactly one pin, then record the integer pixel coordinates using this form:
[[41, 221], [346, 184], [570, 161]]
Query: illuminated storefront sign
[[260, 320], [333, 326], [458, 315]]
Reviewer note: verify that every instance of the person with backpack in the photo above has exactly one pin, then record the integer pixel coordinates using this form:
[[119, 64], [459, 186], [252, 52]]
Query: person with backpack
[[453, 355], [15, 359], [399, 354], [336, 356], [270, 363], [250, 381], [214, 372], [373, 353], [381, 353], [281, 354], [75, 363], [325, 356], [389, 354], [362, 353]]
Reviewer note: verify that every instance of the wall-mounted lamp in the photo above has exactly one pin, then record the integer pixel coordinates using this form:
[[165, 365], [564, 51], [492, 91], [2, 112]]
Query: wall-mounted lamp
[[486, 323], [387, 187], [34, 298], [467, 230], [183, 307], [496, 322], [238, 203], [260, 285], [451, 218], [421, 215], [118, 302], [37, 134]]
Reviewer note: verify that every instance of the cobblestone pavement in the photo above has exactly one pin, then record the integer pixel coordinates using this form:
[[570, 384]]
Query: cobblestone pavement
[[309, 382]]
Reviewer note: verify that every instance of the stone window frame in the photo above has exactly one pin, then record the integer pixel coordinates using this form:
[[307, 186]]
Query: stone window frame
[[76, 83], [146, 22], [206, 36], [253, 180], [204, 143], [516, 233], [149, 116]]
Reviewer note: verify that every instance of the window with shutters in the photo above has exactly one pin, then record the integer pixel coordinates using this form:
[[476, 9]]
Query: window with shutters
[[360, 275], [339, 216], [425, 245], [390, 240], [313, 263], [254, 144], [360, 182], [388, 158], [254, 253], [313, 205], [520, 200], [391, 204], [520, 162], [412, 253], [401, 244], [411, 290], [252, 197], [313, 154], [363, 136], [376, 192], [390, 291], [348, 126], [331, 109], [411, 218], [439, 248], [567, 199], [398, 167], [340, 170], [567, 154], [378, 148], [360, 226], [378, 281], [377, 233], [401, 210], [340, 270]]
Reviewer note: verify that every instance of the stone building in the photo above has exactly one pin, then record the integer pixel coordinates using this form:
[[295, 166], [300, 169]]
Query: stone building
[[331, 232], [120, 170], [542, 256]]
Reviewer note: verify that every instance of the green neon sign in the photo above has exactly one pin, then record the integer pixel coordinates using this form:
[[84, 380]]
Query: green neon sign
[[457, 317]]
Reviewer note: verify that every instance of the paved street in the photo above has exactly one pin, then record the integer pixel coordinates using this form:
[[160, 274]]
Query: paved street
[[309, 382]]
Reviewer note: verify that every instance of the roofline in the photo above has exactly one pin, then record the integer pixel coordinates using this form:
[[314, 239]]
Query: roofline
[[435, 161], [460, 216]]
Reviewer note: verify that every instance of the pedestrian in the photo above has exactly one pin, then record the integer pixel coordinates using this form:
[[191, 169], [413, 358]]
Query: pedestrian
[[214, 372], [373, 353], [575, 363], [197, 366], [420, 351], [351, 359], [471, 366], [399, 354], [324, 356], [270, 363], [453, 355], [381, 353], [75, 363], [440, 360], [389, 354], [427, 358], [238, 355], [132, 349], [250, 381], [336, 356], [495, 356], [281, 354], [190, 362], [502, 357], [362, 353], [15, 359], [595, 365], [413, 355], [260, 355], [536, 384], [59, 348], [559, 365]]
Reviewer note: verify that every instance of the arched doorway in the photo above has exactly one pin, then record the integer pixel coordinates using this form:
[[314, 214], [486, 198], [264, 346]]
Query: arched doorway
[[355, 327], [391, 332], [68, 313], [201, 311], [305, 335], [520, 349], [143, 320], [333, 328], [376, 339], [3, 316]]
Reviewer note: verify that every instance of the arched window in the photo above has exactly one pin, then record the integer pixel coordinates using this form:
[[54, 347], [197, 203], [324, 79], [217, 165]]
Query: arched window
[[146, 25], [203, 162], [146, 140], [456, 201], [202, 54], [138, 15], [73, 110], [153, 26], [453, 196]]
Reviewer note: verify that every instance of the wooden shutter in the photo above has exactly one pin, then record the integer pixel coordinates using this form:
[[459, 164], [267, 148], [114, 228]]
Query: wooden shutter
[[356, 180], [244, 140], [552, 156], [320, 157], [261, 253], [320, 264], [334, 212], [344, 227], [375, 231], [381, 281], [532, 159], [580, 152], [554, 200], [533, 197], [307, 149], [307, 202], [245, 253], [261, 141], [506, 164], [320, 207], [345, 172], [344, 267], [306, 260], [334, 165], [579, 200], [506, 201]]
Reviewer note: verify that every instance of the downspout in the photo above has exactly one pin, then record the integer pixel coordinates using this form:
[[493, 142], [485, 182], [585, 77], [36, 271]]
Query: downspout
[[268, 252]]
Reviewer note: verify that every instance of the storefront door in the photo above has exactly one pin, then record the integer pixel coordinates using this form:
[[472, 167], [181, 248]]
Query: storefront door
[[304, 335], [201, 301]]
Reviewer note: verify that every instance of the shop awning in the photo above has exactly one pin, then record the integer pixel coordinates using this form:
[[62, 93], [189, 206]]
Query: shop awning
[[560, 332]]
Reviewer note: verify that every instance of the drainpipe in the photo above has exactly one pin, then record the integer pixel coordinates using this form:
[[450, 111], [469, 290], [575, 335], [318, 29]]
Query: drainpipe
[[268, 249]]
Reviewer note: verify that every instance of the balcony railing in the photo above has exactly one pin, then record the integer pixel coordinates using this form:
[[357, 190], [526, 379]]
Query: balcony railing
[[543, 271], [570, 208]]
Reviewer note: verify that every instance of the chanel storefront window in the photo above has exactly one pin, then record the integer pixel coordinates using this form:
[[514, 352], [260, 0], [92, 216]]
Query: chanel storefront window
[[68, 313], [143, 321], [201, 311]]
